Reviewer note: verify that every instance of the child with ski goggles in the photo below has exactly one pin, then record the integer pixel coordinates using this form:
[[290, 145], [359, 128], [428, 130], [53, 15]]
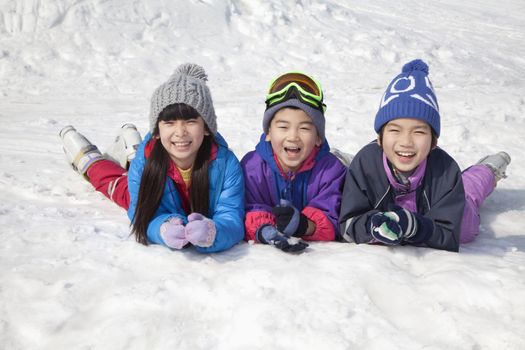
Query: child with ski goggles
[[293, 183], [298, 85]]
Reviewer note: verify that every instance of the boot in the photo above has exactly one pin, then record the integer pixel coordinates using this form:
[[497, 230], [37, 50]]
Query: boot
[[497, 163], [80, 153], [123, 149]]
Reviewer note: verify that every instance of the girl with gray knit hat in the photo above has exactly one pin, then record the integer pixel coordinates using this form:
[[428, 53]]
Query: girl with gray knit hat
[[184, 186]]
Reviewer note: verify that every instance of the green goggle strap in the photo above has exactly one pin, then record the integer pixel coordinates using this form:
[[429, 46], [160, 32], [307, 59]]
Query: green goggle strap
[[305, 96]]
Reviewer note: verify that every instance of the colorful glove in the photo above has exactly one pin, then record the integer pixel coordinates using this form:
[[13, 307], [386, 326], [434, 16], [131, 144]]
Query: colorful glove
[[289, 220], [268, 234], [393, 227], [173, 233], [200, 230]]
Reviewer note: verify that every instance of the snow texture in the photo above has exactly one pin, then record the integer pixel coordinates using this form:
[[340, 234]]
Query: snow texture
[[72, 278]]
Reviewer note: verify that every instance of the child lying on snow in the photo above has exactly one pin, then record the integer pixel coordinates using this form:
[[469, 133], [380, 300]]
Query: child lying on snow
[[293, 182], [402, 188], [184, 185]]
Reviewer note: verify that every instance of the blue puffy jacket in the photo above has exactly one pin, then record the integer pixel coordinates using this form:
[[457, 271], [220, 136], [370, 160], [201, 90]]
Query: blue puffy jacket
[[226, 198]]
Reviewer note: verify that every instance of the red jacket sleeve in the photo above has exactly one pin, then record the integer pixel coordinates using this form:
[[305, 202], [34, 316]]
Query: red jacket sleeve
[[254, 220], [324, 229]]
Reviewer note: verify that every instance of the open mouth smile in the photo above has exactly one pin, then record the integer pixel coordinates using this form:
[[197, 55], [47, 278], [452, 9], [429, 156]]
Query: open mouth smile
[[405, 157], [406, 154], [292, 150], [181, 143]]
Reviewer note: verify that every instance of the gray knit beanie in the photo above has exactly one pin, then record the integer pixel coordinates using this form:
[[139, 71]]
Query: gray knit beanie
[[186, 85]]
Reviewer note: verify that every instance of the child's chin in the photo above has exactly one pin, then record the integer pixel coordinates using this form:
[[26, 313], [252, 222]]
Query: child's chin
[[406, 167], [291, 166]]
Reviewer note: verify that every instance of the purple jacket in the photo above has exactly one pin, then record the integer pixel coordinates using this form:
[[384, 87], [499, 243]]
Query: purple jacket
[[315, 189]]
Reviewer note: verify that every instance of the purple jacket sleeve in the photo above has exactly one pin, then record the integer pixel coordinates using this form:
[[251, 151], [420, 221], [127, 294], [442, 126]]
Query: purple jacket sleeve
[[259, 193], [325, 189]]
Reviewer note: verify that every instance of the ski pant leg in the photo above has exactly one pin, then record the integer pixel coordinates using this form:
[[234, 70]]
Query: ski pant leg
[[111, 180], [479, 182]]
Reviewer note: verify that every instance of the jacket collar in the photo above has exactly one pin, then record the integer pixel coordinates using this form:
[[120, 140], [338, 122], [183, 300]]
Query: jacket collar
[[173, 172], [414, 180]]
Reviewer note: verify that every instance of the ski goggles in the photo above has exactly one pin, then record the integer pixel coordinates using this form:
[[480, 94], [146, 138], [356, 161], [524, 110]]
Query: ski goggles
[[296, 85]]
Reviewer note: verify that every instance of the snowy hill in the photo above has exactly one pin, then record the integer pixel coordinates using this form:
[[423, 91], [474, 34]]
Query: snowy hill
[[71, 277]]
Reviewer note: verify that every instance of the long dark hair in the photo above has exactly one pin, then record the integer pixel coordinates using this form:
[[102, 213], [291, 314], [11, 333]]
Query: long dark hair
[[153, 178]]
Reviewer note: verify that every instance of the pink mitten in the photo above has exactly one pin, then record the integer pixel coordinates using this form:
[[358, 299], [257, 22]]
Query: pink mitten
[[173, 233], [200, 230]]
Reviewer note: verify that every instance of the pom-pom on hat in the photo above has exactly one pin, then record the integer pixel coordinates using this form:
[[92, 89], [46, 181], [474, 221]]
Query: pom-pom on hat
[[186, 85], [410, 95]]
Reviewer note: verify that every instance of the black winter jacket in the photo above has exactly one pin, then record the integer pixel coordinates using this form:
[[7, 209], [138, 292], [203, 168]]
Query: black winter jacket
[[440, 197]]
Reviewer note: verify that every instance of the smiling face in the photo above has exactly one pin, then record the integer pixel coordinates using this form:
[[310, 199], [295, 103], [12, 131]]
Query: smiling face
[[406, 142], [182, 139], [293, 136]]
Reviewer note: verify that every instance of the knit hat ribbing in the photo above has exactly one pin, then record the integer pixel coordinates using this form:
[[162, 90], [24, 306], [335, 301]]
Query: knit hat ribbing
[[410, 95], [186, 85]]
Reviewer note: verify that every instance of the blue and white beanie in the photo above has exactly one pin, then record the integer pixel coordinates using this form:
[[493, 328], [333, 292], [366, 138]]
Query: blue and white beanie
[[410, 95]]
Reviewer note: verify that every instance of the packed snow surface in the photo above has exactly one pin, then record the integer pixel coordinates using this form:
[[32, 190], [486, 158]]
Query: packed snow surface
[[72, 278]]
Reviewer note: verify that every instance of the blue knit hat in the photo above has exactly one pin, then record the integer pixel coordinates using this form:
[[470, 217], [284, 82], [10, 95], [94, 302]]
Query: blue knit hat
[[410, 95]]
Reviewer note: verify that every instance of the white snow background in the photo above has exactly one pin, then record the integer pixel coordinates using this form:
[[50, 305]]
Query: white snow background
[[72, 278]]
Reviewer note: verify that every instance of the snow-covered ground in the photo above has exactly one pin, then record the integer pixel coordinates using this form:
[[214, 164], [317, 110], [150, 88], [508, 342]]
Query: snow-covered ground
[[72, 278]]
